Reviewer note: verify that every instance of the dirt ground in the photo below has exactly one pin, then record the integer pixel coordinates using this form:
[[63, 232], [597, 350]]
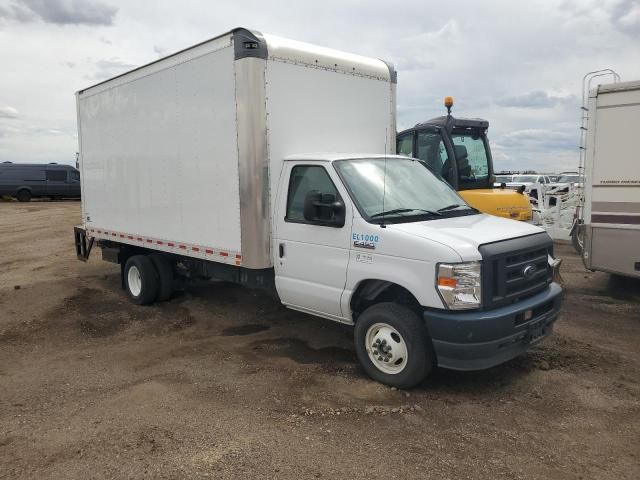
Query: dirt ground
[[223, 382]]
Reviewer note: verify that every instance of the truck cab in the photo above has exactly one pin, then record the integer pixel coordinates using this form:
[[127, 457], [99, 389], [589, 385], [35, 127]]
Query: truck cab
[[382, 243], [457, 150]]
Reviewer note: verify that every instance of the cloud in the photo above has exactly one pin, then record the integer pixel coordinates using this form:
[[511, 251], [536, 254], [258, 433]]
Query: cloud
[[626, 16], [537, 139], [109, 68], [60, 12], [623, 15], [517, 64], [8, 130], [535, 99], [8, 112], [416, 52], [161, 51]]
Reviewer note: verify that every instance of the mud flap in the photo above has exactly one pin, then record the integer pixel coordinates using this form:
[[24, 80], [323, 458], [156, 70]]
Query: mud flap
[[83, 245]]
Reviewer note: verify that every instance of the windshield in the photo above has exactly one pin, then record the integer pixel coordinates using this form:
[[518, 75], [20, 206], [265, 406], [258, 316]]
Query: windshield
[[503, 179], [568, 178], [525, 179], [472, 159], [408, 191]]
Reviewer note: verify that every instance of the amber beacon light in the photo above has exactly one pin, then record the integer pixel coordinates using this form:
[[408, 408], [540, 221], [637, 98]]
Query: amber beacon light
[[448, 102]]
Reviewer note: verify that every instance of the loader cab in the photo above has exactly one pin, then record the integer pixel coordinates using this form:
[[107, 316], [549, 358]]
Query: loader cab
[[455, 149]]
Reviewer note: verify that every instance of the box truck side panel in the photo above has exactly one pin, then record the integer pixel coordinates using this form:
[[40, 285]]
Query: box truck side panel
[[612, 193], [159, 152], [617, 160], [315, 110]]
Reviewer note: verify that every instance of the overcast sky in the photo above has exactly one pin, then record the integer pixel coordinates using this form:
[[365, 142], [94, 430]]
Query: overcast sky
[[517, 64]]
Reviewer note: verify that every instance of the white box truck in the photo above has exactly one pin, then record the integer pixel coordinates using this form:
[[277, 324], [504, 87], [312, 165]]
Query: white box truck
[[611, 212], [202, 164]]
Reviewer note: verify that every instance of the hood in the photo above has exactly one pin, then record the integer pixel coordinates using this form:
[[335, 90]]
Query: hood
[[506, 203], [465, 234]]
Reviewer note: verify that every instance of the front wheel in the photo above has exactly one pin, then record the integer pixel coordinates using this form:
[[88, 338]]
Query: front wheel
[[393, 345]]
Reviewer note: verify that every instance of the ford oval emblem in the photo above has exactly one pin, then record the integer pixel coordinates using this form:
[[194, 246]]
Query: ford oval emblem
[[529, 270]]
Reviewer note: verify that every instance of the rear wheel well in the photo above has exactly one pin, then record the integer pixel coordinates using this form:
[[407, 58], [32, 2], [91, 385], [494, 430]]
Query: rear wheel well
[[370, 292]]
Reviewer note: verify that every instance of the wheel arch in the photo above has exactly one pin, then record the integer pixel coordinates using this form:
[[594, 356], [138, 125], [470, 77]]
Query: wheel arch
[[370, 291]]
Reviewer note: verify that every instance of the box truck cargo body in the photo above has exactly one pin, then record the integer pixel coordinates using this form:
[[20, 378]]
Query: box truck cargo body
[[186, 150], [202, 165], [611, 213]]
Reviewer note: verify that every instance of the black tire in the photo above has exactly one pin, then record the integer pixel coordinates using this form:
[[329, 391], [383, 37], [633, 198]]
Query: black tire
[[577, 239], [23, 195], [413, 332], [149, 282], [165, 276]]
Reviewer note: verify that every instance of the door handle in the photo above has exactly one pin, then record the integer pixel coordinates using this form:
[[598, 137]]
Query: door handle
[[281, 250]]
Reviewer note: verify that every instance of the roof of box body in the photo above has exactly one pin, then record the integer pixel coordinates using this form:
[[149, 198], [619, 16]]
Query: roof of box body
[[619, 87], [332, 157], [50, 166], [251, 43]]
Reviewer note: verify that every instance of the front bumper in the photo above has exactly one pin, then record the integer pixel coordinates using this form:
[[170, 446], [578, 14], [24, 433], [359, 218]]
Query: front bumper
[[482, 339]]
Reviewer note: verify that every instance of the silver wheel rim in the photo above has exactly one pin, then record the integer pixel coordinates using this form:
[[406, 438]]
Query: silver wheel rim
[[134, 281], [386, 348]]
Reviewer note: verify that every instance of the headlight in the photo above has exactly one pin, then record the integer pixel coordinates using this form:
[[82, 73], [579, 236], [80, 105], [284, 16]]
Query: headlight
[[459, 285]]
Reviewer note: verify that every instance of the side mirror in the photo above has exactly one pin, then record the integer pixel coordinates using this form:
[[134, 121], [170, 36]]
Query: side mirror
[[323, 209]]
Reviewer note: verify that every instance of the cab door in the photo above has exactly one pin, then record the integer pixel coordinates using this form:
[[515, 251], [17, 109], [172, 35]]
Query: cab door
[[312, 238], [56, 182], [431, 149], [73, 183]]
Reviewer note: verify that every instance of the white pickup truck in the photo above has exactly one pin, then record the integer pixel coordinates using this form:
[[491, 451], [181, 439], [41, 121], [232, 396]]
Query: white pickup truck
[[194, 166]]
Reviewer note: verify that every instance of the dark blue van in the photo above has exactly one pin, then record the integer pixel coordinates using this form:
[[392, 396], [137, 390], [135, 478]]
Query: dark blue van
[[28, 180]]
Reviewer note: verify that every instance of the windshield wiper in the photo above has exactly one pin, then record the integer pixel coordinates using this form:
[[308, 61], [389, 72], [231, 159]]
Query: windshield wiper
[[404, 210], [458, 205], [452, 206]]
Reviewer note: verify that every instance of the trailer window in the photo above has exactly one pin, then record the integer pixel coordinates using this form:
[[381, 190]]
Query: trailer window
[[74, 175], [56, 175], [305, 178]]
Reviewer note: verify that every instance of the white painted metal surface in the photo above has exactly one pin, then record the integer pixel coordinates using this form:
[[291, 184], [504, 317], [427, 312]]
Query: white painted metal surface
[[314, 268], [159, 153], [316, 110], [611, 210], [183, 155], [314, 56], [311, 273]]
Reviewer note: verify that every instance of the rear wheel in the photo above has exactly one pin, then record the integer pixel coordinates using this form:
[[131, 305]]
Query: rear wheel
[[141, 280], [165, 276], [393, 345], [23, 195]]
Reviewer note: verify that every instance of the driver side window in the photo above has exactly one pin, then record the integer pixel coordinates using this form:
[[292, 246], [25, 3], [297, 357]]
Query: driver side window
[[305, 179]]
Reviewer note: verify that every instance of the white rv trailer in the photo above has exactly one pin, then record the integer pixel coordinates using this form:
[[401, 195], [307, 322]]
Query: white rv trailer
[[201, 164], [611, 213]]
